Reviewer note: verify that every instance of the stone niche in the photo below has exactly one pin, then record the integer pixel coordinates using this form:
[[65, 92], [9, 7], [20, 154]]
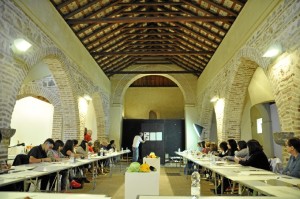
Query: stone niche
[[281, 137]]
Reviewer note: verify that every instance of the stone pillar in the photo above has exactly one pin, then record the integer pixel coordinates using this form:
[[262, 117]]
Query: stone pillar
[[6, 134]]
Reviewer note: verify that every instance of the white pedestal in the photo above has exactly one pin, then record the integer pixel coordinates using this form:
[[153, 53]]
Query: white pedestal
[[139, 183], [155, 162]]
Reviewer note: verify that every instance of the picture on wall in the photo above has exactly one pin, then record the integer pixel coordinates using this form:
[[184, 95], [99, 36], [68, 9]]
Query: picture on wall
[[146, 136]]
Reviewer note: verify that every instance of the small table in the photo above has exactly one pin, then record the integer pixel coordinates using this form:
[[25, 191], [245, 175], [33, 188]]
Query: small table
[[155, 162], [141, 183]]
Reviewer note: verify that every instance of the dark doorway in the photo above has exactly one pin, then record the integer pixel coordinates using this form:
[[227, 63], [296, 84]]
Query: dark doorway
[[172, 136]]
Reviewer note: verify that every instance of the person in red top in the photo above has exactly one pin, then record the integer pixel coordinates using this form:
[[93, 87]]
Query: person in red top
[[90, 147], [87, 135]]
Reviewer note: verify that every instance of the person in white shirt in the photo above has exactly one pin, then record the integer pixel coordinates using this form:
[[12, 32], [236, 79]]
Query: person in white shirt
[[135, 146]]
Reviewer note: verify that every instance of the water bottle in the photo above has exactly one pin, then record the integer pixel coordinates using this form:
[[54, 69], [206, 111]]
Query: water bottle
[[101, 152], [195, 186], [72, 158]]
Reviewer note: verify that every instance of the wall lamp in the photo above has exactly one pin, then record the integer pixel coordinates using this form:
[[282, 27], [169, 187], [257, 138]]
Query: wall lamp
[[214, 99], [21, 45], [273, 50], [87, 98]]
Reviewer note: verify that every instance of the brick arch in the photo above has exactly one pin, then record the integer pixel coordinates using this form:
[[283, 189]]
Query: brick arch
[[100, 116], [53, 97], [69, 102], [124, 82], [243, 68], [60, 66], [206, 109]]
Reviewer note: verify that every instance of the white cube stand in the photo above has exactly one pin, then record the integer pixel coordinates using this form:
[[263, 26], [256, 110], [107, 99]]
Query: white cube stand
[[140, 183]]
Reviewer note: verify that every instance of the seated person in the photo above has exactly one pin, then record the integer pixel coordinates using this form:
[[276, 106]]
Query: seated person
[[293, 165], [207, 148], [201, 145], [68, 151], [90, 147], [82, 149], [232, 147], [241, 152], [111, 145], [224, 149], [39, 154], [56, 155], [257, 158]]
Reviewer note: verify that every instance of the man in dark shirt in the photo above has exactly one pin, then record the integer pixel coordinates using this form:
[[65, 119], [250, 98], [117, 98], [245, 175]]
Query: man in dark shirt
[[39, 154]]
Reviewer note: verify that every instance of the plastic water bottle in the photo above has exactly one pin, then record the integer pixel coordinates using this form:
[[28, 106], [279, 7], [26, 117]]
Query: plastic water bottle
[[195, 186], [101, 152], [72, 158]]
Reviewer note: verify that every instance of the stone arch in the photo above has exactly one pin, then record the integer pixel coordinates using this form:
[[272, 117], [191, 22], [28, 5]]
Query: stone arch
[[53, 97], [243, 67], [100, 116], [183, 83], [205, 113], [60, 68]]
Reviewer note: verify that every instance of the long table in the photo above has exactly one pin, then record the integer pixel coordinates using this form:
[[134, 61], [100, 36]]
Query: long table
[[35, 195], [33, 171], [250, 177]]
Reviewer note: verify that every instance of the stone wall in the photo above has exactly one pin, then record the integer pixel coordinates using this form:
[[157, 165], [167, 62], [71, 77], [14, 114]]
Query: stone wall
[[232, 82], [63, 88]]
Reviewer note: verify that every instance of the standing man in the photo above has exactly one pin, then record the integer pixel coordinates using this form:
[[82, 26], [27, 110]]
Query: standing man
[[135, 146], [39, 154]]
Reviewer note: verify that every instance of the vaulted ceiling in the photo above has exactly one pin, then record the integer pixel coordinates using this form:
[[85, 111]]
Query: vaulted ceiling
[[122, 33]]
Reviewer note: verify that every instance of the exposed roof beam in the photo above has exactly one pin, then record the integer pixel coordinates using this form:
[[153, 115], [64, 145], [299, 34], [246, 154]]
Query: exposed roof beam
[[153, 53], [152, 27], [151, 72], [148, 20]]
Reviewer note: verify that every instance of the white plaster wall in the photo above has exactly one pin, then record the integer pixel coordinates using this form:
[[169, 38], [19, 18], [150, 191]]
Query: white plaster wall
[[91, 122], [191, 138], [259, 89], [116, 124], [39, 119], [167, 102]]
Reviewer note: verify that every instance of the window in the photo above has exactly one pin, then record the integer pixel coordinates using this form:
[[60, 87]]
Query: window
[[259, 125]]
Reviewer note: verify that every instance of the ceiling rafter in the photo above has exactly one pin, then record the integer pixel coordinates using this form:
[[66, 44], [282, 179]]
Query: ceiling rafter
[[184, 34], [147, 20]]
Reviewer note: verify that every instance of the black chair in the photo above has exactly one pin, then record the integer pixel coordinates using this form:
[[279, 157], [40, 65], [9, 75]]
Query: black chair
[[21, 159], [19, 186]]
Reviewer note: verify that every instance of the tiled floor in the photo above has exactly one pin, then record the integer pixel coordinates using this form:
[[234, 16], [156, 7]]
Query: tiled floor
[[172, 182]]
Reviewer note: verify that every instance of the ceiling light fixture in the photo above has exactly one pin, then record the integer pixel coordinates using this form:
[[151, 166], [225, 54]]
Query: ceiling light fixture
[[273, 50]]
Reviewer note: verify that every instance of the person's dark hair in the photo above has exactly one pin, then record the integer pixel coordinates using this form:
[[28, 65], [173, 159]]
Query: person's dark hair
[[254, 146], [49, 140], [242, 144], [112, 142], [57, 144], [232, 144], [69, 146], [294, 142], [83, 144], [223, 145], [75, 142], [203, 144], [85, 131]]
